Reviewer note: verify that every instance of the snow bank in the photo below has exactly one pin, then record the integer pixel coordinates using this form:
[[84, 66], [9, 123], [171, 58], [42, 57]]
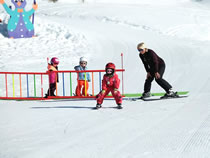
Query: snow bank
[[163, 2], [140, 1], [52, 39], [69, 128], [154, 2]]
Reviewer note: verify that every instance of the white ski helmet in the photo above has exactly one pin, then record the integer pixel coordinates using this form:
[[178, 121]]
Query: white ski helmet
[[82, 59]]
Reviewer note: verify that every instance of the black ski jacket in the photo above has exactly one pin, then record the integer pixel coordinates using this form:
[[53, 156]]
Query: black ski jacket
[[152, 62]]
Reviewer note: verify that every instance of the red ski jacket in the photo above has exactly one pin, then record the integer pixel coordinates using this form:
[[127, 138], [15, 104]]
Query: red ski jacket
[[110, 82]]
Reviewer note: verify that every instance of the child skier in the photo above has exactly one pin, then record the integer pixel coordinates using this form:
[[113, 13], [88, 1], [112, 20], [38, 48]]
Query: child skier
[[110, 82], [53, 76], [83, 78]]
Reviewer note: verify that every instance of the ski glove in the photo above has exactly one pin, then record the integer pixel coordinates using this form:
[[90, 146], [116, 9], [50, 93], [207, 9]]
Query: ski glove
[[103, 91], [116, 90]]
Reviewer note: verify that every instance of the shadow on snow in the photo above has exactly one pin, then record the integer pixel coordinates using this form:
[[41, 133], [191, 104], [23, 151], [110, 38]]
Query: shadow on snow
[[63, 107]]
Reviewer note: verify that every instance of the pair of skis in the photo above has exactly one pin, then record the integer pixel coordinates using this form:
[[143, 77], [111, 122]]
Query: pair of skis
[[116, 107], [155, 98]]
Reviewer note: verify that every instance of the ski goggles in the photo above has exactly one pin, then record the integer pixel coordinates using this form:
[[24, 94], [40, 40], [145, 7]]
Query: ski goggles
[[140, 50], [83, 63]]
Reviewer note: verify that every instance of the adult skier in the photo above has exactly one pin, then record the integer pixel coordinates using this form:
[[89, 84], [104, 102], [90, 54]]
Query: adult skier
[[155, 68]]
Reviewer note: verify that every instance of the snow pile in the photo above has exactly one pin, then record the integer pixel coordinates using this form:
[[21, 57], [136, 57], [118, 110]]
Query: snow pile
[[101, 32], [52, 39]]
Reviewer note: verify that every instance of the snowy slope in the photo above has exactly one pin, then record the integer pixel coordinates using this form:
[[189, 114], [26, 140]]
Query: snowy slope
[[177, 30]]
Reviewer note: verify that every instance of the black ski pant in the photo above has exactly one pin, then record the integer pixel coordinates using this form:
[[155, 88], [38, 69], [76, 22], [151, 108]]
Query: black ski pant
[[161, 82], [51, 90]]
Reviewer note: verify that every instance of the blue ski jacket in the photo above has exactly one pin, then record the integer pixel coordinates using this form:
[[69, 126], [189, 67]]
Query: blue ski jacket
[[82, 74]]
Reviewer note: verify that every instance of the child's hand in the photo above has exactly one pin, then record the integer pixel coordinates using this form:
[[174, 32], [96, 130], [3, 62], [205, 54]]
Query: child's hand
[[1, 1], [35, 6], [103, 91], [115, 90]]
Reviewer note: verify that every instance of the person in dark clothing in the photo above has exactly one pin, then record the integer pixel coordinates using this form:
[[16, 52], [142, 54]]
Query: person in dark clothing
[[155, 68]]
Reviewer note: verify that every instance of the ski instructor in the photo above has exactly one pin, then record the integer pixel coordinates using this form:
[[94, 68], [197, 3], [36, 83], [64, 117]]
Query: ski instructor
[[155, 67]]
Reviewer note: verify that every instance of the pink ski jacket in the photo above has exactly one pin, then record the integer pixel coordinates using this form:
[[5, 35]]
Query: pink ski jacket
[[52, 74]]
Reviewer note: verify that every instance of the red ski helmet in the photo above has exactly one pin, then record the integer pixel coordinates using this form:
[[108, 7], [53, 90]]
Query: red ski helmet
[[110, 66], [54, 60]]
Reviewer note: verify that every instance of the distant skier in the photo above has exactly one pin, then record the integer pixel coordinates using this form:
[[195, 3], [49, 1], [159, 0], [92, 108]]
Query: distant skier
[[0, 21], [155, 67], [53, 76], [110, 82], [83, 78]]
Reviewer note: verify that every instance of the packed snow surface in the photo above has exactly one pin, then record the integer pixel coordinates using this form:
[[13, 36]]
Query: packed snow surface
[[177, 30]]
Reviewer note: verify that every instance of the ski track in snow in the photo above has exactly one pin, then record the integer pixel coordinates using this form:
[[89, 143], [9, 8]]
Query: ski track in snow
[[188, 31]]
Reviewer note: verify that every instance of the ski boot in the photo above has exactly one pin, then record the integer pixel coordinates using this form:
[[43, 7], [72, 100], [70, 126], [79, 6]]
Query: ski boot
[[46, 96], [170, 94], [119, 106], [98, 106], [145, 95]]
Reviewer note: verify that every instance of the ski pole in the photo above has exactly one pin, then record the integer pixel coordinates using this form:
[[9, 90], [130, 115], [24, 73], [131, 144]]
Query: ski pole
[[122, 74]]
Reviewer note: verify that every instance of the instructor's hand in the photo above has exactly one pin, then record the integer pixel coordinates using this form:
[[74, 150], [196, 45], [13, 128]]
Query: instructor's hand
[[157, 75], [148, 75]]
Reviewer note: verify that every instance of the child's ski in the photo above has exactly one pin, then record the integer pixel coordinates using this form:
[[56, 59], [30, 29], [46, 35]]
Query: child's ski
[[116, 107]]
